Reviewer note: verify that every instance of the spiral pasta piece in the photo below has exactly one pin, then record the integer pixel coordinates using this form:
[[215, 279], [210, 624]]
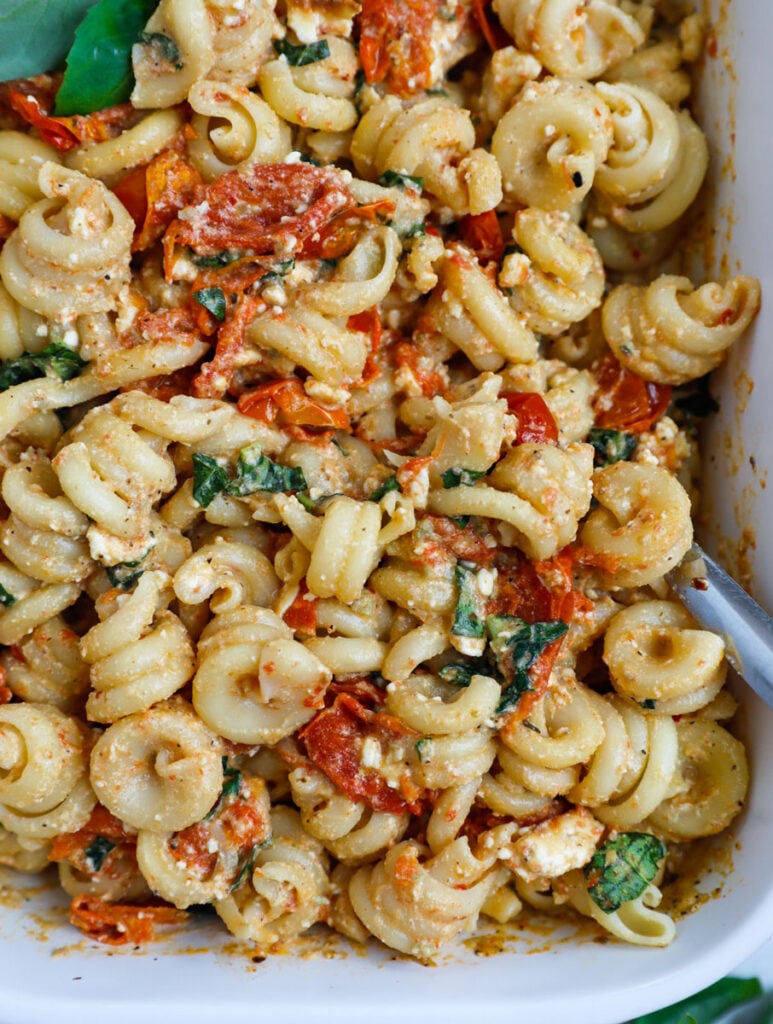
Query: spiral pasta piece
[[18, 327], [551, 142], [558, 278], [21, 158], [434, 141], [139, 653], [44, 785], [571, 39], [352, 831], [539, 490], [671, 332], [255, 683], [289, 888], [158, 769], [46, 667], [657, 655], [361, 279], [318, 95], [29, 603], [70, 253], [566, 731], [137, 145], [636, 921], [228, 574], [29, 856], [642, 527]]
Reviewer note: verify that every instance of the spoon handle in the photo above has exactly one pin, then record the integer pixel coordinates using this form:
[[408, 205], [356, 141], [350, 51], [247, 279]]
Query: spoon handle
[[721, 605]]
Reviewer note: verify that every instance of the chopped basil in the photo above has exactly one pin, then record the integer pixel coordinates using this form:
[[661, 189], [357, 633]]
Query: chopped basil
[[424, 749], [515, 646], [256, 472], [460, 477], [648, 705], [458, 674], [232, 783], [126, 574], [512, 248], [96, 852], [209, 479], [461, 521], [622, 868], [306, 159], [248, 864], [303, 54], [278, 271], [417, 230], [436, 92], [612, 445], [166, 47], [214, 260], [359, 82], [711, 1004], [390, 484], [6, 599], [61, 360], [396, 179], [212, 299], [467, 615]]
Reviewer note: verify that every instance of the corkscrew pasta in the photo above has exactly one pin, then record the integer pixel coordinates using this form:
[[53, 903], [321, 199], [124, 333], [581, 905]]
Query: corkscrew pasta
[[343, 458]]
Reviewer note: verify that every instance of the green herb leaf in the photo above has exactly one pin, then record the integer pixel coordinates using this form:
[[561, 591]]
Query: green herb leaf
[[6, 599], [515, 646], [126, 574], [418, 230], [359, 82], [303, 54], [99, 68], [390, 484], [648, 704], [232, 783], [256, 472], [212, 299], [59, 359], [424, 748], [96, 852], [248, 864], [705, 1006], [461, 521], [278, 272], [512, 248], [461, 674], [306, 159], [622, 868], [612, 445], [396, 179], [214, 260], [460, 477], [167, 48], [209, 479], [42, 32], [467, 615]]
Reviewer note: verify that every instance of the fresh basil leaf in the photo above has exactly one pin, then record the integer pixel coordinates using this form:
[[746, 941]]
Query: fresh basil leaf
[[232, 783], [390, 484], [461, 521], [42, 32], [61, 360], [461, 674], [648, 704], [96, 852], [99, 67], [6, 598], [622, 868], [167, 48], [705, 1006], [209, 479], [303, 54], [467, 614], [396, 179], [213, 300], [248, 864], [214, 260], [515, 646], [612, 445], [256, 472], [126, 574], [417, 230], [278, 272], [460, 477]]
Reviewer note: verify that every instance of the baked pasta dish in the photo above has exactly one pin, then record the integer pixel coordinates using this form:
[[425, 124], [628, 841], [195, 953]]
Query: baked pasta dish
[[348, 406]]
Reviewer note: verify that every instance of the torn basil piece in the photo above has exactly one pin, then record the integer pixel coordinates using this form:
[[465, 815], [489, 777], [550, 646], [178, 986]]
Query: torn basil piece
[[622, 868], [213, 300], [232, 783], [248, 864], [390, 484], [612, 445], [214, 260], [468, 619], [165, 47], [460, 477], [6, 598], [417, 230], [256, 472], [302, 54], [209, 479], [57, 358], [515, 645], [96, 852], [461, 674], [396, 179], [126, 574]]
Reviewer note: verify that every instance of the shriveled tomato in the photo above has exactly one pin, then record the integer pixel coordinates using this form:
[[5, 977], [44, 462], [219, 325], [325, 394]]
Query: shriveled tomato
[[369, 322], [624, 400], [117, 924], [301, 616], [42, 87], [490, 25], [262, 209], [284, 402], [361, 688], [214, 377], [482, 233], [334, 740], [396, 44], [338, 237], [431, 382], [101, 823], [155, 194], [536, 424], [67, 132]]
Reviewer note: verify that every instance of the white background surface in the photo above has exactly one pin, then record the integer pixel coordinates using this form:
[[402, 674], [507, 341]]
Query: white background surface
[[760, 965]]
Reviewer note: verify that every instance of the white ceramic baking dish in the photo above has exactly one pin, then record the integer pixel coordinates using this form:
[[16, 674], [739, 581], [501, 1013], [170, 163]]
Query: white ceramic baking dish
[[47, 974]]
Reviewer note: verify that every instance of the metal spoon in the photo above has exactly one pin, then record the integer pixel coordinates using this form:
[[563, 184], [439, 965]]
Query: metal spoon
[[721, 605]]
